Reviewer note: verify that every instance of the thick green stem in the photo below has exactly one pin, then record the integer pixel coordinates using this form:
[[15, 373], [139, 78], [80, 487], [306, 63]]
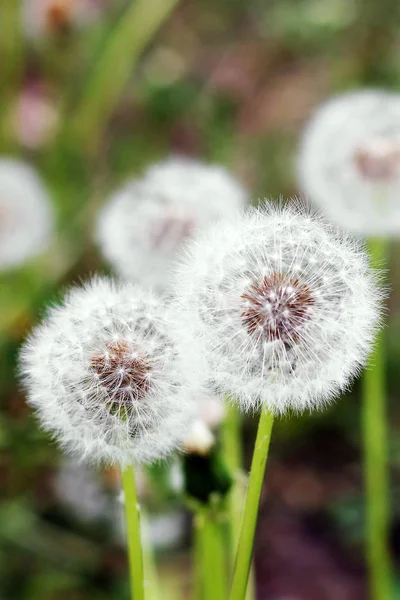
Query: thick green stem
[[233, 458], [197, 562], [376, 457], [232, 454], [249, 520], [114, 67], [132, 512], [211, 552]]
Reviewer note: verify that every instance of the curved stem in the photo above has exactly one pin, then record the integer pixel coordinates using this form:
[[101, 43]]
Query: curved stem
[[132, 512], [376, 458], [249, 520]]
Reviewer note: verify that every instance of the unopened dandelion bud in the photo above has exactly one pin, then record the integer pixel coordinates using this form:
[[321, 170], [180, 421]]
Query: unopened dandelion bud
[[200, 439]]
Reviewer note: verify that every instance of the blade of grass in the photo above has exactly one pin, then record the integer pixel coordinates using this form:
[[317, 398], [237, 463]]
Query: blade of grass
[[114, 67]]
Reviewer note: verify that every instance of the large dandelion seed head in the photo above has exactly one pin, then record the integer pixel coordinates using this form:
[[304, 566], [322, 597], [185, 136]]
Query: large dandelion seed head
[[26, 219], [282, 306], [104, 375], [349, 161], [142, 229]]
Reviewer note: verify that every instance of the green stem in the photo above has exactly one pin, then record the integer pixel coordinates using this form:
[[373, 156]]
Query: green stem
[[233, 458], [132, 512], [211, 551], [114, 67], [249, 520], [232, 454], [198, 591], [376, 457]]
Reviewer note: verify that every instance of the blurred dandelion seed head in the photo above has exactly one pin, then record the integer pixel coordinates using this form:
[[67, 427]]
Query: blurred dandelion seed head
[[378, 159], [26, 219], [282, 306], [349, 161], [143, 227], [104, 375]]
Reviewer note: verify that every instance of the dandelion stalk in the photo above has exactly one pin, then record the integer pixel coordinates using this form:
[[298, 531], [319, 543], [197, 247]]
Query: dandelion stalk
[[207, 483], [197, 560], [133, 535], [233, 457], [232, 451], [115, 65], [249, 521], [211, 555], [376, 457]]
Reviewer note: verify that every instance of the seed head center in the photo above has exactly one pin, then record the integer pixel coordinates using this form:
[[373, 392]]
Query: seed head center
[[277, 307], [171, 230], [378, 159], [123, 372]]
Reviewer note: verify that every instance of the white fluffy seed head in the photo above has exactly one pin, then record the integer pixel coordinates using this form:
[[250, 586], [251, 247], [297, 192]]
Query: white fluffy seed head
[[142, 228], [282, 306], [104, 375], [349, 161], [26, 218]]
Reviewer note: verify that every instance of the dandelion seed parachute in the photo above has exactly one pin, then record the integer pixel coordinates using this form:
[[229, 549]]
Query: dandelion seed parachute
[[349, 161], [26, 219], [282, 307], [142, 228], [104, 375]]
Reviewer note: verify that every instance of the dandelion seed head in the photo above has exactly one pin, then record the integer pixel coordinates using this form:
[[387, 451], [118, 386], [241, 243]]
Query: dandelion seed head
[[349, 161], [143, 227], [104, 375], [282, 306], [26, 219]]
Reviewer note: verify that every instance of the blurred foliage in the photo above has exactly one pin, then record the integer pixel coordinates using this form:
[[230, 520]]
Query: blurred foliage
[[230, 81]]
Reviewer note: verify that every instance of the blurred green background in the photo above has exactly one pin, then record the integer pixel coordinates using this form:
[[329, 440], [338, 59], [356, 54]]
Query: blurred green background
[[91, 101]]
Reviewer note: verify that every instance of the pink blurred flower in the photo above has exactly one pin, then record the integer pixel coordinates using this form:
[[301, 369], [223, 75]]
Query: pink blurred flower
[[35, 117], [42, 17]]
